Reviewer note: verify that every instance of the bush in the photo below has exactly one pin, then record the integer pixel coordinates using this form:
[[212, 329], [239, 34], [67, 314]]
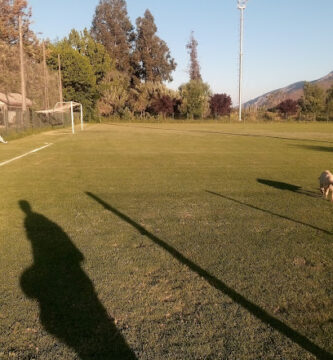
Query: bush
[[162, 105], [288, 107], [127, 114], [220, 105], [195, 99]]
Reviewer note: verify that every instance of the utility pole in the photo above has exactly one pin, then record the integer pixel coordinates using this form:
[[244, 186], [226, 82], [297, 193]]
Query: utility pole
[[241, 6], [46, 80], [59, 79], [23, 86], [61, 99]]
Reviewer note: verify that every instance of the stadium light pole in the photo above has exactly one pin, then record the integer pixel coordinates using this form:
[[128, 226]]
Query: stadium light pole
[[241, 4]]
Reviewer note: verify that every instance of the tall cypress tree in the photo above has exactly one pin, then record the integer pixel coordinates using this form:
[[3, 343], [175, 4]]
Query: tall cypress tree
[[111, 26], [194, 70], [151, 53]]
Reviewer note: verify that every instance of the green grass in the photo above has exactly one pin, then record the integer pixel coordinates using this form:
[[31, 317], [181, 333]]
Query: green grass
[[167, 241]]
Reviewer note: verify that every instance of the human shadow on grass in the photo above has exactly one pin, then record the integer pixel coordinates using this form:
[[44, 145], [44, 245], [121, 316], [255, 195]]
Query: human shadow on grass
[[270, 212], [69, 307], [289, 187], [316, 148], [254, 309]]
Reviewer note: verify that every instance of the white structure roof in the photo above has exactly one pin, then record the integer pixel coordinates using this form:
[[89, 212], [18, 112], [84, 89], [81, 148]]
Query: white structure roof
[[13, 99]]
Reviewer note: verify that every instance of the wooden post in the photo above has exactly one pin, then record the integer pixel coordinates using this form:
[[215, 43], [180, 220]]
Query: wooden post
[[81, 116], [23, 86], [72, 117], [60, 81], [46, 81], [60, 88], [5, 114]]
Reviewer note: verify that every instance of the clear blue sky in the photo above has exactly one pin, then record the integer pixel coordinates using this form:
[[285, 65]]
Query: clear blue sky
[[284, 40]]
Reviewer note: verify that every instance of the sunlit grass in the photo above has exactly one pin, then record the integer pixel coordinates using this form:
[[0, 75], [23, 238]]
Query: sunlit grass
[[200, 241]]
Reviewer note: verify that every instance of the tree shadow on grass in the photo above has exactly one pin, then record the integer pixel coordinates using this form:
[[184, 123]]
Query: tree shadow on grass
[[225, 133], [289, 187], [254, 309], [270, 212], [69, 307]]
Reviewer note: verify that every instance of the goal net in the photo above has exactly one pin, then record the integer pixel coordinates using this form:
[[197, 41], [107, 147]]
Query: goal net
[[67, 113]]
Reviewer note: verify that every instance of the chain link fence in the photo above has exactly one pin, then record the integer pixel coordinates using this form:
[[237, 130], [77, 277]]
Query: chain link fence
[[42, 91]]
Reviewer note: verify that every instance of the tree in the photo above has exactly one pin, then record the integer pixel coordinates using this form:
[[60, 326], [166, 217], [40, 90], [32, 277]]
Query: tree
[[9, 68], [111, 26], [329, 102], [164, 105], [220, 105], [195, 99], [78, 78], [98, 57], [144, 94], [152, 55], [313, 101], [115, 93], [35, 80], [194, 63], [288, 107], [10, 10]]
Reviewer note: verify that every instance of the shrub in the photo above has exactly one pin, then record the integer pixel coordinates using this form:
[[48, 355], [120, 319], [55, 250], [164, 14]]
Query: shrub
[[288, 107], [162, 105], [195, 99], [220, 105]]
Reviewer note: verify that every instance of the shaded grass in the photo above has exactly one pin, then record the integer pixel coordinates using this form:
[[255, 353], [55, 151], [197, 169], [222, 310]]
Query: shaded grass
[[242, 272], [219, 285]]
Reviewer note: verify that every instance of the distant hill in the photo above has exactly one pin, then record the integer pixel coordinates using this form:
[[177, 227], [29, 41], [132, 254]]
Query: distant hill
[[293, 91]]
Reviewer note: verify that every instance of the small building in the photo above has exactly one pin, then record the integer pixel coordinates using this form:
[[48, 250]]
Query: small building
[[11, 109]]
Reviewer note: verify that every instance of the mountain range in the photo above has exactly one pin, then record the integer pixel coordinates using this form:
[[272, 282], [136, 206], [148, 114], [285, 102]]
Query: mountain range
[[293, 91]]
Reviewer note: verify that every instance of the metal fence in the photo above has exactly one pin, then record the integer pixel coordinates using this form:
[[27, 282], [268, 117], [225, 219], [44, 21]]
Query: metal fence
[[13, 120], [42, 91]]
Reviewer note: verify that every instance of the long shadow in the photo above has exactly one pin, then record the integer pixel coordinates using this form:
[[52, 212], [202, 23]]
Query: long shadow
[[270, 212], [316, 148], [254, 309], [69, 307], [290, 187], [224, 133]]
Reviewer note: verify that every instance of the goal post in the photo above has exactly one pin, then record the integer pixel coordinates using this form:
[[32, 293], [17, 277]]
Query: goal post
[[74, 105], [63, 108]]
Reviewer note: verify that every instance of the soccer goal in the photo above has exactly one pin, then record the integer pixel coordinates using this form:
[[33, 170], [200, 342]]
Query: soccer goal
[[64, 113]]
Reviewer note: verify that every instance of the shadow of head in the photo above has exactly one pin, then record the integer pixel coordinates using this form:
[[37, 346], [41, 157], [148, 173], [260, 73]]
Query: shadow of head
[[25, 206]]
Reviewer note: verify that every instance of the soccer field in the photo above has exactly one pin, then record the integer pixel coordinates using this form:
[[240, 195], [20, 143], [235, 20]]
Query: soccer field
[[167, 241]]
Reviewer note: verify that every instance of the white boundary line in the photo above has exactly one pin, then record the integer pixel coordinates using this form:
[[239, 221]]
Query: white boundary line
[[28, 153]]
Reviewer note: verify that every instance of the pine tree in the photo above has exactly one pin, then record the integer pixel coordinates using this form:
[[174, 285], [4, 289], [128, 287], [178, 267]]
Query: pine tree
[[151, 53], [111, 26], [194, 70]]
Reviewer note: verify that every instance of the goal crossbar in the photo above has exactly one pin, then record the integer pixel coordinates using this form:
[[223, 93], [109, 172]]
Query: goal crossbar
[[61, 107]]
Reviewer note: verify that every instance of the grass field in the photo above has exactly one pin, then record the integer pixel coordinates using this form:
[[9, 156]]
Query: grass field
[[167, 241]]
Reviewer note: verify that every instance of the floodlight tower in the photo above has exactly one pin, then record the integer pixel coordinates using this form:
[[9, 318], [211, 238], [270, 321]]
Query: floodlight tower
[[241, 4]]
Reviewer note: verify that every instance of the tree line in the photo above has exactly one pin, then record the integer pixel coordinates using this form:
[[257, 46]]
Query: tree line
[[315, 104], [114, 68], [117, 69]]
